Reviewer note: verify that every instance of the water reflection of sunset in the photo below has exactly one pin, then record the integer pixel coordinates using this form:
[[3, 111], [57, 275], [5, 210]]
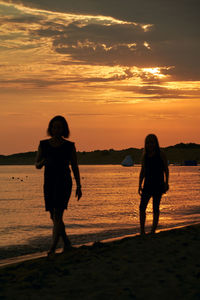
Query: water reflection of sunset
[[110, 206]]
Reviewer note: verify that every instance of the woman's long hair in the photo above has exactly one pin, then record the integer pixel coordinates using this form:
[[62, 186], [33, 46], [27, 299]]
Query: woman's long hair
[[155, 139]]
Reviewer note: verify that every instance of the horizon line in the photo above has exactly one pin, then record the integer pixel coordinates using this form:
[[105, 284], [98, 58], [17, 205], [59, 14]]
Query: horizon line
[[111, 149]]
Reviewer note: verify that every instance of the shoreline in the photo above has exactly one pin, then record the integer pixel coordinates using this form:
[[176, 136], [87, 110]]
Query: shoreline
[[35, 255], [161, 266]]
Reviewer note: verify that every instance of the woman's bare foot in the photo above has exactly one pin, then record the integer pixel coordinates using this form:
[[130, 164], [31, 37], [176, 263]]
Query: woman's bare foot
[[67, 247], [142, 233], [51, 253]]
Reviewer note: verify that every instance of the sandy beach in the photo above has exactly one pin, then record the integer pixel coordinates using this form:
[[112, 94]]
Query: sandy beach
[[161, 266]]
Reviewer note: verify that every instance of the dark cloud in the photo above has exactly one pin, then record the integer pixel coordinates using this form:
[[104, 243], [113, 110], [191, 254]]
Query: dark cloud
[[173, 40], [119, 44], [26, 19], [123, 44], [95, 33], [41, 83], [156, 92], [33, 83], [151, 92], [143, 10], [179, 15]]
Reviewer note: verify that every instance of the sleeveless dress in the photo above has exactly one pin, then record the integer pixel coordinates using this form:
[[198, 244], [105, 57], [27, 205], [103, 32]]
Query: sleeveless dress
[[154, 175], [57, 177]]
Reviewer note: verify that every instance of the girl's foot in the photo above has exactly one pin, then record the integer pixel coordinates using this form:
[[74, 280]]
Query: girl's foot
[[51, 253], [153, 229], [67, 246]]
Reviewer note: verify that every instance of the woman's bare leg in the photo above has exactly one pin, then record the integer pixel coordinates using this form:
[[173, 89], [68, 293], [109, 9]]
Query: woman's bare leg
[[55, 237], [142, 222], [143, 205], [56, 217], [58, 231], [66, 241], [155, 221], [156, 211]]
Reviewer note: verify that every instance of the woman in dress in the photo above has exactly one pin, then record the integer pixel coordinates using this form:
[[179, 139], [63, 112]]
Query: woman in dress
[[153, 180], [55, 154]]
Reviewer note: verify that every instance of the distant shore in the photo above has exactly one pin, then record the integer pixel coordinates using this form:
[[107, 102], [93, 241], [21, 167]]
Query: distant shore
[[161, 266], [176, 154]]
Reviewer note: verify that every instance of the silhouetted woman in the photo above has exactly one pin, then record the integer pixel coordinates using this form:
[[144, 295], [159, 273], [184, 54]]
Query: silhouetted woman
[[154, 177], [55, 154]]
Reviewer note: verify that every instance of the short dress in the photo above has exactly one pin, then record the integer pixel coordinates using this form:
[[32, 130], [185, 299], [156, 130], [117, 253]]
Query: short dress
[[57, 174], [154, 175]]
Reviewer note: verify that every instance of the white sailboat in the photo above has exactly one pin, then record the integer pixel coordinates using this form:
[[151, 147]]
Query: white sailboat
[[127, 161]]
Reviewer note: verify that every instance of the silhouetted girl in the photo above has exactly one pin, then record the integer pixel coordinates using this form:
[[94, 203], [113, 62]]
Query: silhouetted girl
[[55, 154], [155, 173]]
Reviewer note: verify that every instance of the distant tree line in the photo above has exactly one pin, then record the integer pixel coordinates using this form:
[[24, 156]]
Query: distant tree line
[[175, 154]]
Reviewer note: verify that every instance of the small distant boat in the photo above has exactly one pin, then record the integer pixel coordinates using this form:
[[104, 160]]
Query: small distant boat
[[127, 161], [176, 164]]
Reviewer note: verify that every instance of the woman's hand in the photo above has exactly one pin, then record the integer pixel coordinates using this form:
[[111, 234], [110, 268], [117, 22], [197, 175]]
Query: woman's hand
[[166, 187], [78, 193], [40, 164], [140, 190], [40, 160]]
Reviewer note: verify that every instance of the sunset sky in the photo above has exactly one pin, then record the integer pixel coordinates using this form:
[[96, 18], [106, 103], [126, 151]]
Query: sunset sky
[[117, 70]]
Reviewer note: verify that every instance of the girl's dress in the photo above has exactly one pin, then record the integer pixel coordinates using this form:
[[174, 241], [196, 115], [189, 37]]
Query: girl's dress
[[154, 175], [57, 174]]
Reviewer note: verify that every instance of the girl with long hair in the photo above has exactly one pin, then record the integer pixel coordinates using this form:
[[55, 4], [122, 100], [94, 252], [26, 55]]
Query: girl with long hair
[[153, 180]]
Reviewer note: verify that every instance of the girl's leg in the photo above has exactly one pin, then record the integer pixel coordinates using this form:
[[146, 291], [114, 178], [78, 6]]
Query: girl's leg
[[66, 241], [56, 216], [143, 205], [59, 230], [142, 222], [156, 211]]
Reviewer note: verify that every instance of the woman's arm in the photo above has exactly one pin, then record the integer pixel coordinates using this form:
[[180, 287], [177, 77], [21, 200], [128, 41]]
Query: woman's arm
[[141, 177], [76, 173], [39, 161], [166, 170]]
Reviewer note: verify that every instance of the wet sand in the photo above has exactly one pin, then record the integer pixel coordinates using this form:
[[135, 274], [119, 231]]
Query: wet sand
[[161, 266]]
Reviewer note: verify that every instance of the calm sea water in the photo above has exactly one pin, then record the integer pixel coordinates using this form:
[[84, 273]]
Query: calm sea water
[[108, 208]]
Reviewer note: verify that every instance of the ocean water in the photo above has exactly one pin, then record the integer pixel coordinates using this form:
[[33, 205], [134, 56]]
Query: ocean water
[[108, 208]]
